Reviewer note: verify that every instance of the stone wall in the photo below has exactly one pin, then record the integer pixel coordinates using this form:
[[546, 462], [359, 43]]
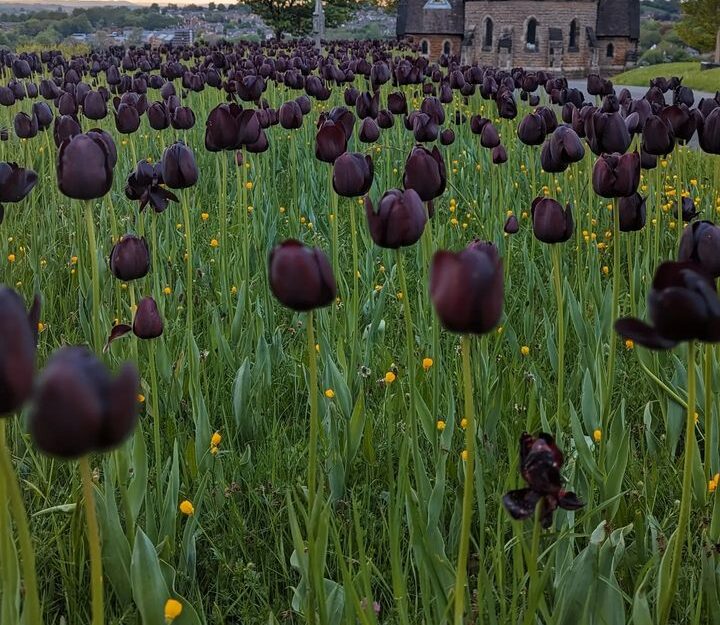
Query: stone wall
[[436, 44], [623, 50], [510, 23]]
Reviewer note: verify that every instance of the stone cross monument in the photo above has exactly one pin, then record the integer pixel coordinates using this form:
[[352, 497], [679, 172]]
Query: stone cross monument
[[318, 23]]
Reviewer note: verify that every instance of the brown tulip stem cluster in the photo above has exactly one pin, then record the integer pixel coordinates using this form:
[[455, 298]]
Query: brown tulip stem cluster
[[8, 481], [467, 505], [680, 536], [559, 296], [97, 339], [93, 536]]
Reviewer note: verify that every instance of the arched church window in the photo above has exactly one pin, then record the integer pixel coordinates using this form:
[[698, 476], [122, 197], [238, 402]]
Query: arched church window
[[488, 37], [573, 42], [610, 52], [447, 47], [424, 46], [531, 33]]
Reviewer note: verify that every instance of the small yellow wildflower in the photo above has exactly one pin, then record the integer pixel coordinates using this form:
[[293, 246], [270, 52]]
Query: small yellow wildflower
[[204, 216], [463, 423], [464, 454], [629, 344], [216, 439], [525, 350], [11, 258], [187, 508], [141, 398], [329, 393], [214, 243], [597, 435], [41, 326], [440, 425], [167, 290], [249, 185], [390, 377], [427, 363], [173, 609]]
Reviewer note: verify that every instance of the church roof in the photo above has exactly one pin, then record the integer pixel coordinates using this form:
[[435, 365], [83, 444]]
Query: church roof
[[431, 17], [618, 18]]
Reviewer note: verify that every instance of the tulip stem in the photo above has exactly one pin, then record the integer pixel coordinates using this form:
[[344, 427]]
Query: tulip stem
[[667, 599], [610, 382], [93, 536], [155, 409], [557, 279], [95, 275], [189, 266], [532, 566], [314, 419], [33, 612], [467, 505]]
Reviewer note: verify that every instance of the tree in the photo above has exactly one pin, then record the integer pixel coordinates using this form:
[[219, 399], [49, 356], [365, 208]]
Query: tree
[[295, 16], [700, 26]]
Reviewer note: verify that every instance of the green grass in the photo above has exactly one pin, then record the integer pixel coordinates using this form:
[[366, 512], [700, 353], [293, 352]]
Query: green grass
[[708, 80]]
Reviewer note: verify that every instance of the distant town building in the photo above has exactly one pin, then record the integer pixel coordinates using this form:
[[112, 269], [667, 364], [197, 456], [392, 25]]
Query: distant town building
[[572, 36]]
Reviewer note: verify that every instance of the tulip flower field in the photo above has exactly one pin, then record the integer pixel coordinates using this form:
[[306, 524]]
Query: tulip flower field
[[352, 336]]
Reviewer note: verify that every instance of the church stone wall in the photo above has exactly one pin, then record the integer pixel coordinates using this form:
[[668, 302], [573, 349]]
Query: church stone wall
[[510, 19]]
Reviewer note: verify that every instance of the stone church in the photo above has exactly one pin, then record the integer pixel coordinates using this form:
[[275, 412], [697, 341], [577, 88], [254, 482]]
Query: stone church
[[569, 36]]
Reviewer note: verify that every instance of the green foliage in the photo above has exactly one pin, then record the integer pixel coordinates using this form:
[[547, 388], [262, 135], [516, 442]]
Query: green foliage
[[295, 16], [700, 25], [707, 80]]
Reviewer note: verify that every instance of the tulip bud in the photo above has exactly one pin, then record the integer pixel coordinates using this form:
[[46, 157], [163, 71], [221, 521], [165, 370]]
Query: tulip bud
[[130, 258], [85, 166], [399, 221], [18, 334], [551, 224], [147, 323], [511, 225], [466, 289], [301, 277], [179, 170], [79, 407]]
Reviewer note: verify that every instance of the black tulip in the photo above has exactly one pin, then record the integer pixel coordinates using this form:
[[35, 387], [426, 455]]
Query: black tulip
[[425, 173], [85, 166], [130, 258], [551, 223], [700, 243], [616, 175], [399, 221], [631, 213], [179, 170], [352, 174]]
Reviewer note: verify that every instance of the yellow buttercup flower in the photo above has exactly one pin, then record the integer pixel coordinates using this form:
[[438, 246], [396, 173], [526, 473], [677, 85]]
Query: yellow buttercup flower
[[187, 508], [440, 425], [427, 363], [525, 350], [629, 344], [173, 609], [597, 435], [216, 438], [390, 377], [214, 243], [329, 393]]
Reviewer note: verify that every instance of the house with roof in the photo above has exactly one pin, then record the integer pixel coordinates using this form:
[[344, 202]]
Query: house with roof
[[571, 36]]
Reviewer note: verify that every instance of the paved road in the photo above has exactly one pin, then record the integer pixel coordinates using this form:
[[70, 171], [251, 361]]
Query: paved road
[[637, 92]]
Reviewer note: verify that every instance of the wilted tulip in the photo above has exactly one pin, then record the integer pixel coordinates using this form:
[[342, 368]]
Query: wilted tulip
[[399, 221], [551, 223], [700, 243], [511, 225], [301, 277], [352, 174], [631, 213], [616, 175], [85, 166], [130, 258], [179, 170], [540, 464], [18, 335], [466, 289], [79, 407], [425, 173], [682, 304]]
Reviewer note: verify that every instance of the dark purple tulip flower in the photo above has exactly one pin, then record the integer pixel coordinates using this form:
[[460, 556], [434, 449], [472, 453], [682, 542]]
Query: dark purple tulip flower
[[631, 213], [15, 182], [682, 305], [447, 136], [466, 288], [700, 243], [709, 132], [301, 277], [158, 116], [130, 258], [291, 117], [144, 184], [425, 128], [352, 174], [127, 119], [369, 130], [18, 335], [551, 223], [532, 130], [80, 407], [65, 127], [499, 155], [182, 118], [330, 142], [397, 103], [94, 105], [607, 132], [511, 225], [658, 137], [616, 175], [179, 170], [26, 126], [540, 464], [85, 166], [489, 137], [41, 111], [425, 173], [688, 209], [147, 323], [399, 221]]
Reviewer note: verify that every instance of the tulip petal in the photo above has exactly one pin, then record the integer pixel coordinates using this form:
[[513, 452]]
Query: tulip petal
[[118, 331], [569, 501], [521, 503], [643, 334]]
